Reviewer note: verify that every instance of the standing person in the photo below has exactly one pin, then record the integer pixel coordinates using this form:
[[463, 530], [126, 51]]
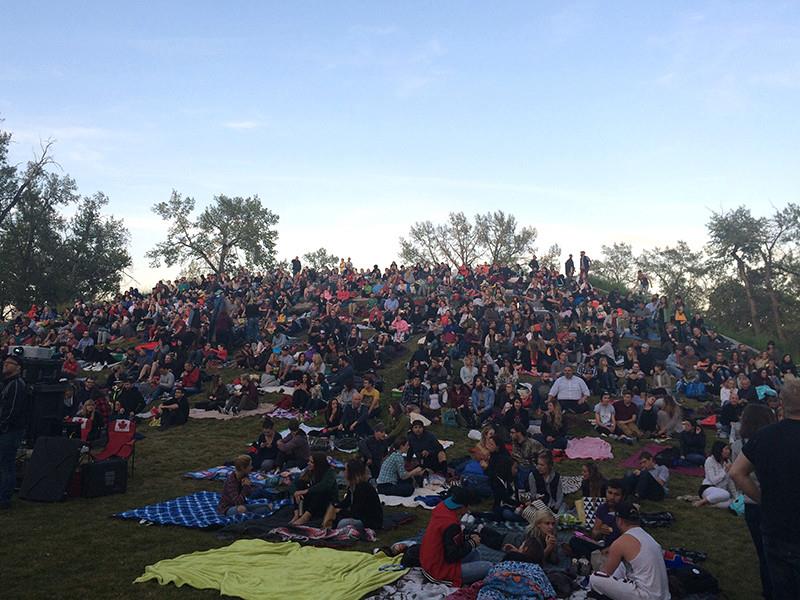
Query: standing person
[[569, 267], [446, 554], [772, 454], [754, 418], [585, 263], [13, 414], [635, 565], [570, 391]]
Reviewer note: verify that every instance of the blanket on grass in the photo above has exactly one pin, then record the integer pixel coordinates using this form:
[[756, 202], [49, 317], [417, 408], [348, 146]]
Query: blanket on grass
[[632, 462], [259, 570], [413, 586], [199, 413], [589, 447], [422, 497], [221, 473], [196, 511], [320, 536]]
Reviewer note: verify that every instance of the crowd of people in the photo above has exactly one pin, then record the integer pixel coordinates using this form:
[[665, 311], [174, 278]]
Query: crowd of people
[[514, 352]]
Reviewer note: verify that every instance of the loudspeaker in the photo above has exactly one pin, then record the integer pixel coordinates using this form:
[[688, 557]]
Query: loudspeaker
[[46, 410], [51, 466], [41, 370]]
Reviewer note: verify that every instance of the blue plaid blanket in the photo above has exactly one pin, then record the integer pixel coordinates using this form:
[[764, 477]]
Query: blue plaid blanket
[[196, 510]]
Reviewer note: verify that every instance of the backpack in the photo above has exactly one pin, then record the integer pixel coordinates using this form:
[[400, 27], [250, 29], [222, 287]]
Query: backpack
[[667, 457], [692, 579]]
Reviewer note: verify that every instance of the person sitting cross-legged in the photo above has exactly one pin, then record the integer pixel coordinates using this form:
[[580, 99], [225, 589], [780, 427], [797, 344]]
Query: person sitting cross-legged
[[236, 489]]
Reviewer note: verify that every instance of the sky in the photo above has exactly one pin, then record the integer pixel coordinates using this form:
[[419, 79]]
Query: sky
[[595, 122]]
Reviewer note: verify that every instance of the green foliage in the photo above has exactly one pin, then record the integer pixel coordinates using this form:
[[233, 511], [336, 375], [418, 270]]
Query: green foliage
[[616, 265], [320, 259], [228, 233]]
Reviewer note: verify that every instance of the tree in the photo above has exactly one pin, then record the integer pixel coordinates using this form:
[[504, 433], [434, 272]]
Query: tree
[[230, 232], [320, 259], [552, 258], [454, 242], [732, 236], [616, 264], [95, 251], [500, 240], [677, 270]]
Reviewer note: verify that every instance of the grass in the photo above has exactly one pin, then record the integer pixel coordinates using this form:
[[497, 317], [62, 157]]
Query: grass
[[74, 549]]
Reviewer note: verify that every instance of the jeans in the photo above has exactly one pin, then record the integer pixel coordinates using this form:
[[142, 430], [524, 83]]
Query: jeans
[[473, 568], [783, 563], [358, 524], [644, 485], [752, 516], [9, 443]]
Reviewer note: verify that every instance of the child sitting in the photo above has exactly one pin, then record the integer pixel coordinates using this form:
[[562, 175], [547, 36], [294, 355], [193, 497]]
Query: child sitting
[[236, 489]]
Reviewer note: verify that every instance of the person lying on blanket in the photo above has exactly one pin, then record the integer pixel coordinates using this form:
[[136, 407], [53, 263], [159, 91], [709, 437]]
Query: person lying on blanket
[[236, 489], [446, 554], [315, 490], [361, 506]]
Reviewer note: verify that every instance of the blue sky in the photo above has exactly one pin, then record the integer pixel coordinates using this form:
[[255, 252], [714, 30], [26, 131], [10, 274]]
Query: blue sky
[[594, 122]]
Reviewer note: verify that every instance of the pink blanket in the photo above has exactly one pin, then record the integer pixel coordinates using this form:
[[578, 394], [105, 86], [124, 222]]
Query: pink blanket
[[632, 462], [589, 447]]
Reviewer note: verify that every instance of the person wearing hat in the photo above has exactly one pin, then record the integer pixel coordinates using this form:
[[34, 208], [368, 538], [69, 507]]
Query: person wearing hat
[[13, 414], [635, 565], [446, 554]]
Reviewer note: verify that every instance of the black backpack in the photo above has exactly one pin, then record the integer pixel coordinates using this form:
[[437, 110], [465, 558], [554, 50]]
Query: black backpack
[[692, 579]]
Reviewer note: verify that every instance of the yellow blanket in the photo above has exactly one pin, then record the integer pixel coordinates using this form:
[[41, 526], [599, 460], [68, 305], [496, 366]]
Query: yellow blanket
[[287, 571]]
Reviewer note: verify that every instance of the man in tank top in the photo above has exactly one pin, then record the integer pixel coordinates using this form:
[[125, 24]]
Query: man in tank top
[[635, 566]]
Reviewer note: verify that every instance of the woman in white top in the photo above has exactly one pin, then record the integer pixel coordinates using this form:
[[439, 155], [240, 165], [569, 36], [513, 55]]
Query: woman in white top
[[728, 390], [718, 488], [468, 371]]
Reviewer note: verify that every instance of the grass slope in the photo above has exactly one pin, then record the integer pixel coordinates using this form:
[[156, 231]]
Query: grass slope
[[74, 549]]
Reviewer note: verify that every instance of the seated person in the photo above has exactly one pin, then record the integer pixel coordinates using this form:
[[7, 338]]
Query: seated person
[[605, 421], [89, 411], [394, 479], [544, 531], [399, 423], [649, 481], [415, 393], [693, 444], [316, 490], [524, 452], [517, 416], [500, 472], [333, 417], [237, 488], [128, 400], [446, 554], [545, 483], [647, 423], [373, 449], [718, 488], [604, 529], [731, 413], [425, 447], [293, 450], [482, 400], [355, 418], [190, 379], [626, 414], [593, 484], [301, 398], [522, 565], [372, 397], [361, 506], [635, 565], [670, 417], [174, 411], [554, 428], [265, 448]]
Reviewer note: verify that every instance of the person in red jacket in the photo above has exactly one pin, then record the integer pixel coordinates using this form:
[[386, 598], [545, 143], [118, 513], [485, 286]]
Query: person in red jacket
[[446, 554], [190, 378]]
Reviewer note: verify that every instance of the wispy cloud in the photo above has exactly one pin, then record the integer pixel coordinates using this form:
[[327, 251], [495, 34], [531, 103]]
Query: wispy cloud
[[242, 124]]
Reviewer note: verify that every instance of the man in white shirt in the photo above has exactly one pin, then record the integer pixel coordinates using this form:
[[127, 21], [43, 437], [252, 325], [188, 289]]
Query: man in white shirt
[[635, 565], [570, 391]]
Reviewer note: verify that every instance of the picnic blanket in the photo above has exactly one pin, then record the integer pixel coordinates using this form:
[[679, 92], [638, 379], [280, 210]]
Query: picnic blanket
[[304, 427], [282, 413], [589, 447], [415, 499], [632, 462], [321, 536], [196, 511], [199, 413], [413, 586], [259, 570]]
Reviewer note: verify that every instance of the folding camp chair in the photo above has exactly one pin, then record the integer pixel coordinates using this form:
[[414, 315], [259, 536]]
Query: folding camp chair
[[121, 442]]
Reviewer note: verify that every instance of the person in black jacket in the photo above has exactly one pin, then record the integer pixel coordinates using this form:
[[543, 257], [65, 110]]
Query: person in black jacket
[[373, 449], [425, 447], [355, 418], [361, 506], [175, 410], [128, 400], [265, 448], [13, 414], [693, 444]]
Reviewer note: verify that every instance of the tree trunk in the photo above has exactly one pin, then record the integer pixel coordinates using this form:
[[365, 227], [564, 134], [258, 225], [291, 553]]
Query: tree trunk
[[773, 300], [748, 291]]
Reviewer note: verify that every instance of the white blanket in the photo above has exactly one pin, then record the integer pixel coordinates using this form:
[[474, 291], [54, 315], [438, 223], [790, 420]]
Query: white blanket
[[409, 501]]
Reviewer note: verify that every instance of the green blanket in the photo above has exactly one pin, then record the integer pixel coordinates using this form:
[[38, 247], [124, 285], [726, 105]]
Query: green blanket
[[263, 570]]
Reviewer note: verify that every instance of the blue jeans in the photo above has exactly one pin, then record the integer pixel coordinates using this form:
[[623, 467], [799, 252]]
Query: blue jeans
[[9, 443], [357, 523], [783, 562], [473, 568]]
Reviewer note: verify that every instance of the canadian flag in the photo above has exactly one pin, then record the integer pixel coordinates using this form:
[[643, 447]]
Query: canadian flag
[[122, 425]]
